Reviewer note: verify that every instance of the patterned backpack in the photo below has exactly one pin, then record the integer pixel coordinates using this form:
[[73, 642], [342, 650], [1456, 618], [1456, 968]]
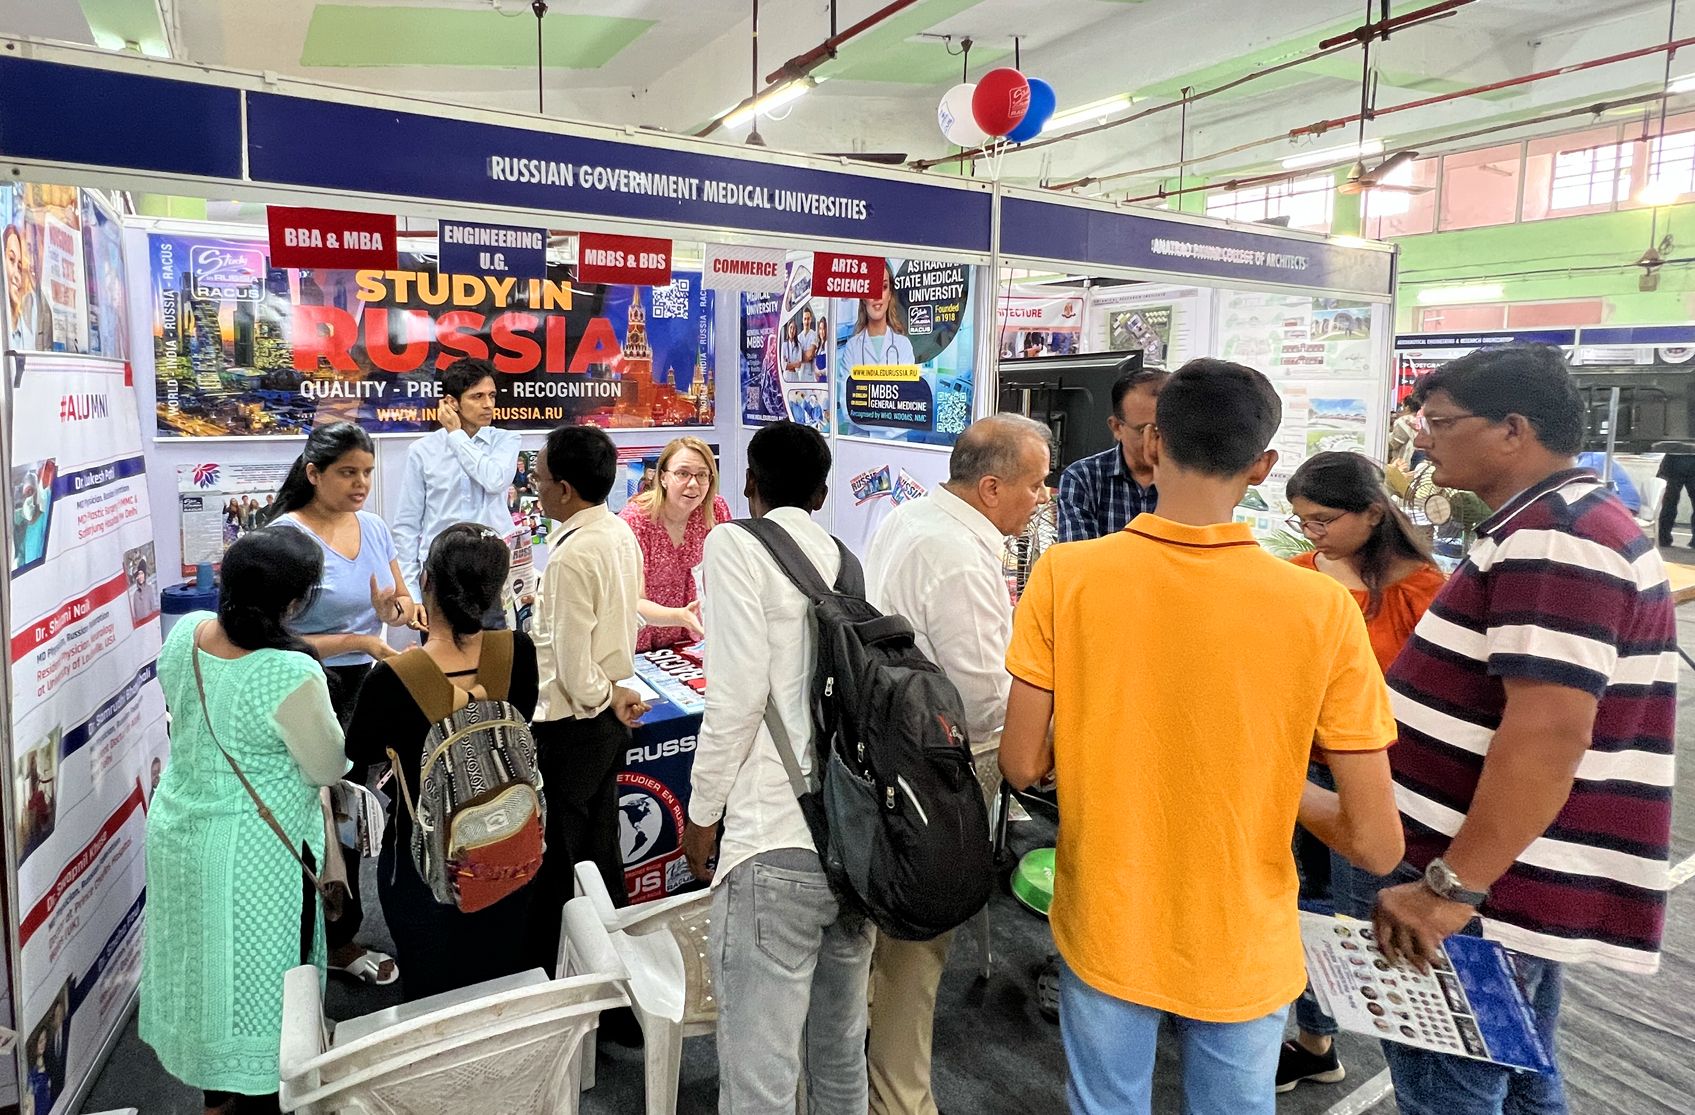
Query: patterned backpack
[[478, 821]]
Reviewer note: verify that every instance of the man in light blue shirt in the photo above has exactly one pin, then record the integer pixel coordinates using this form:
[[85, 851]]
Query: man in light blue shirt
[[1623, 486], [458, 474]]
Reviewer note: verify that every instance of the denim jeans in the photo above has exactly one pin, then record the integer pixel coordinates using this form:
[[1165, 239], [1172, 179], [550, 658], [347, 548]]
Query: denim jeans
[[1109, 1056], [789, 969], [1429, 1083]]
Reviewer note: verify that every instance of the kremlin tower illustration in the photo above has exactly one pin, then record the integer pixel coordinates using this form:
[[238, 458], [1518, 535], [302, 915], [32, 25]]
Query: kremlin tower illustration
[[648, 400]]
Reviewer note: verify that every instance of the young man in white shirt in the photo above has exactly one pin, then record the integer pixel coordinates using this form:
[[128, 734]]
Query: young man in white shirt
[[585, 636], [786, 958], [939, 561], [457, 474]]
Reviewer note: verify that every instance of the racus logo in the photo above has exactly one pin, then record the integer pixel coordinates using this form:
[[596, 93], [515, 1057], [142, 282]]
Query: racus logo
[[228, 274]]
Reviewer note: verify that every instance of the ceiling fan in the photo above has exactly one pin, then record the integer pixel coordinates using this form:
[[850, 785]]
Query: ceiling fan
[[882, 158], [1360, 179]]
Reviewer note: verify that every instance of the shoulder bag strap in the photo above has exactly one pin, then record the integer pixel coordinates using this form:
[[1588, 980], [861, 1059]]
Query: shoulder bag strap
[[494, 669], [423, 679], [433, 692], [780, 737], [264, 810], [794, 563], [850, 579]]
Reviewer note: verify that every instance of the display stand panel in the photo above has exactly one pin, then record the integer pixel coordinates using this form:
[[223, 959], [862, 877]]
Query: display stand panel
[[87, 716]]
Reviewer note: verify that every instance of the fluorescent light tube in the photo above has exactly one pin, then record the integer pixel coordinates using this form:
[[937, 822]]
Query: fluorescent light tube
[[774, 98], [1097, 110], [1460, 295], [1334, 154]]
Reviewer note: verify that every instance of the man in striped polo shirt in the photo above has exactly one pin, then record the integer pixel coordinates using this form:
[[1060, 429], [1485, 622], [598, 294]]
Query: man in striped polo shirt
[[1536, 704]]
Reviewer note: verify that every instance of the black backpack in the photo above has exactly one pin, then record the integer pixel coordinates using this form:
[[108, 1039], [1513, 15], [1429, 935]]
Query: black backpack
[[897, 815]]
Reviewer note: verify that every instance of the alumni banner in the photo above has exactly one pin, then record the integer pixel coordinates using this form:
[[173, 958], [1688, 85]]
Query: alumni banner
[[87, 718]]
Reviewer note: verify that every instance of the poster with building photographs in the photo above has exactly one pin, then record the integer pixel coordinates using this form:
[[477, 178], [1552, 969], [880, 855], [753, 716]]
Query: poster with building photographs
[[1296, 335], [1470, 1004]]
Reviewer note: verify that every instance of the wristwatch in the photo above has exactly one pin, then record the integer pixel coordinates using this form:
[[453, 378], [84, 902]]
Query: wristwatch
[[1444, 883]]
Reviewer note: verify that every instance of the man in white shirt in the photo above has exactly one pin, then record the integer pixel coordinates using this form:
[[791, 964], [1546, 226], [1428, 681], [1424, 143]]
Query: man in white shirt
[[458, 474], [585, 636], [786, 959], [939, 561]]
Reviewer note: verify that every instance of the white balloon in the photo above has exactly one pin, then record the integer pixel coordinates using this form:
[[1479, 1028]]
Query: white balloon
[[954, 117]]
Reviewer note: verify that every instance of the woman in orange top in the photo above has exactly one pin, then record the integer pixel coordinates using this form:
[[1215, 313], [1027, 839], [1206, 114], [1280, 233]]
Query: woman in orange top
[[1363, 540]]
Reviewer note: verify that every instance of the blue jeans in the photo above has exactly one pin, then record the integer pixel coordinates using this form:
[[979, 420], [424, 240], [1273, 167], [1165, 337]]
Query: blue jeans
[[1109, 1056], [790, 969], [1428, 1083]]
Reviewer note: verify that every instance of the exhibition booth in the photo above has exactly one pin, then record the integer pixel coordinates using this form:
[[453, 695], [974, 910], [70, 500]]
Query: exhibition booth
[[160, 374]]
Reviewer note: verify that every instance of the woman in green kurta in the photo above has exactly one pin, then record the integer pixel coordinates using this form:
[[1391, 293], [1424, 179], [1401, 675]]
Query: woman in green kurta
[[228, 911]]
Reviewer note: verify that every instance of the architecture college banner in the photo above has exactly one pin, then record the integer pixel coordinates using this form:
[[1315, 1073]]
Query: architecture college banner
[[88, 717], [1039, 321], [244, 348]]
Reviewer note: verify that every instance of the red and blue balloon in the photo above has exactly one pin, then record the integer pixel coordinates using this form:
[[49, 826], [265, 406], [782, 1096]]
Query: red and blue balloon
[[1004, 103]]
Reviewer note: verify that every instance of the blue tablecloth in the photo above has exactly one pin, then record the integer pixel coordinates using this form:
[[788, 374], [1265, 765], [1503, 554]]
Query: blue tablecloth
[[653, 788]]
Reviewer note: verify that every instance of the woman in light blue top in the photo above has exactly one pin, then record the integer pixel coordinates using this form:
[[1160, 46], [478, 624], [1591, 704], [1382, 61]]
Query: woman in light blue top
[[324, 495]]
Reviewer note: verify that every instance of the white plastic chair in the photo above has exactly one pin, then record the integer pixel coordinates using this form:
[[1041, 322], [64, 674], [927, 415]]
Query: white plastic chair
[[660, 950], [1652, 491], [1643, 470], [508, 1045]]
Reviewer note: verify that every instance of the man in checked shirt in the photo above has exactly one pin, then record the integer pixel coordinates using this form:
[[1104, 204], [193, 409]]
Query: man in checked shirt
[[1100, 494]]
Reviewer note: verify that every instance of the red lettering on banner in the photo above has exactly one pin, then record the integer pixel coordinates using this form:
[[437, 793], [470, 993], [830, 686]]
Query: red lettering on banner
[[329, 334], [637, 260], [324, 333], [598, 346], [847, 276], [47, 627], [515, 353], [456, 332], [332, 238], [379, 341], [78, 866], [555, 346]]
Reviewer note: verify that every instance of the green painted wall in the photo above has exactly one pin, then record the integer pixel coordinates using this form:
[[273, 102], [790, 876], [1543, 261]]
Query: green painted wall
[[1504, 253], [167, 205]]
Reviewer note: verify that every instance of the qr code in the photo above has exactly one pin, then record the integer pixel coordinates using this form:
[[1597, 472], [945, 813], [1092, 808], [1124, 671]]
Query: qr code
[[954, 414], [671, 301]]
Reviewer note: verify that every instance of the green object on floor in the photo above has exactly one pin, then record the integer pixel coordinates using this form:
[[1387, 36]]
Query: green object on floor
[[1032, 880]]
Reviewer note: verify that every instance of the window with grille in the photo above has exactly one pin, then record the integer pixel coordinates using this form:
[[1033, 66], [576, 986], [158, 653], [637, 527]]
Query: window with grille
[[1673, 162], [1591, 176], [1309, 203]]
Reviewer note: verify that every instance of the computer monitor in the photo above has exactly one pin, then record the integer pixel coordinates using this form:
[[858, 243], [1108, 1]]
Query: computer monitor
[[1071, 395]]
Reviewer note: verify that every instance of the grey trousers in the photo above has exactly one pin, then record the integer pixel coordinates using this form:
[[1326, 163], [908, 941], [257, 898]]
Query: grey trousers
[[789, 970]]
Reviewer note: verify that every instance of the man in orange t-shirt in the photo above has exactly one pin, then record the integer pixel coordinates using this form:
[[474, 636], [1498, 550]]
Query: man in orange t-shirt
[[1181, 780]]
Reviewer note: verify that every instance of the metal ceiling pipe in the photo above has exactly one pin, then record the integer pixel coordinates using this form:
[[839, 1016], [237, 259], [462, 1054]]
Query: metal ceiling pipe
[[1381, 29], [1477, 90], [807, 61], [1424, 146], [1443, 10], [804, 63]]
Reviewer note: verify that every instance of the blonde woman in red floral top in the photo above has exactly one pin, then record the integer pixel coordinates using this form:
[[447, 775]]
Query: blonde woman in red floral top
[[670, 521]]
